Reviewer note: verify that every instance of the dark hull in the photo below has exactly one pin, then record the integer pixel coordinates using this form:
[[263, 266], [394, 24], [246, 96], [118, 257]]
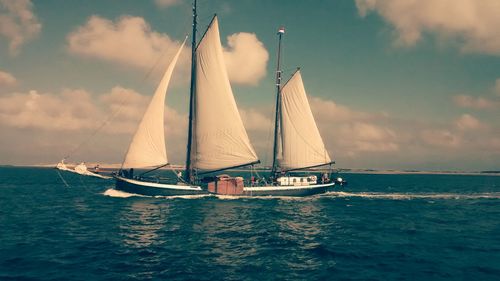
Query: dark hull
[[155, 189], [292, 192]]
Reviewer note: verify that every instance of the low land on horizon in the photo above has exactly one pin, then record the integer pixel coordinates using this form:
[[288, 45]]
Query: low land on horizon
[[105, 167]]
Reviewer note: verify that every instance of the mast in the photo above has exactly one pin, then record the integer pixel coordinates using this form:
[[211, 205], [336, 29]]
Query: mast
[[281, 31], [189, 170]]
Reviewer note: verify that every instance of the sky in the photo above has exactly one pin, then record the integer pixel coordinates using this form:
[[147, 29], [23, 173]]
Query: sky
[[393, 84]]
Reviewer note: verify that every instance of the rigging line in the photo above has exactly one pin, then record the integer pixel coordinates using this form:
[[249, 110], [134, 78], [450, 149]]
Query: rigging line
[[185, 32], [63, 180], [103, 124], [157, 62], [120, 107], [84, 185], [259, 177], [176, 172]]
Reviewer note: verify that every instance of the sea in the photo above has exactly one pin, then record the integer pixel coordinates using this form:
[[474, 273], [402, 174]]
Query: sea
[[60, 226]]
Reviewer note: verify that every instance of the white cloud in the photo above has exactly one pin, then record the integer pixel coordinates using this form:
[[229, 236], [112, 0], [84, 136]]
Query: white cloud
[[128, 107], [474, 24], [18, 23], [441, 138], [468, 122], [350, 132], [127, 103], [246, 58], [366, 137], [45, 126], [255, 120], [467, 101], [128, 40], [69, 110], [354, 136], [166, 3], [56, 123], [7, 79], [329, 110], [76, 109]]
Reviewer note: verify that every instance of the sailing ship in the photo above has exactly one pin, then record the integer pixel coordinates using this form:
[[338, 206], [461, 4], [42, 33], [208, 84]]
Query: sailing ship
[[298, 146], [217, 139]]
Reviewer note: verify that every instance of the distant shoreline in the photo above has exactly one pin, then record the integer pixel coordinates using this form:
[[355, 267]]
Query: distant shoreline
[[458, 173], [109, 167]]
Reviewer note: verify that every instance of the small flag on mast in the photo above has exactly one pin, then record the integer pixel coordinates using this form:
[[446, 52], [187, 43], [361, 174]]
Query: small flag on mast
[[281, 30]]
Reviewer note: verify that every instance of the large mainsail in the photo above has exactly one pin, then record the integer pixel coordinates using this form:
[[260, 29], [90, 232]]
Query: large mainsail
[[221, 139], [302, 145], [147, 148]]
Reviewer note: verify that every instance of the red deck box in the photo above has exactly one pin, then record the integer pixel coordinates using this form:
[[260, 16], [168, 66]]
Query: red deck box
[[226, 185]]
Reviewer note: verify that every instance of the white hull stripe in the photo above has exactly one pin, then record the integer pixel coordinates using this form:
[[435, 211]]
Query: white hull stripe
[[278, 188], [159, 185]]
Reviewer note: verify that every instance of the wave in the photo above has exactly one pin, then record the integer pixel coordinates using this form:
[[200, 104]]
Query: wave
[[120, 194], [410, 196], [370, 195]]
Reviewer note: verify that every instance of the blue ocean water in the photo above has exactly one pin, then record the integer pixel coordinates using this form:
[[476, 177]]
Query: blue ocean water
[[379, 227]]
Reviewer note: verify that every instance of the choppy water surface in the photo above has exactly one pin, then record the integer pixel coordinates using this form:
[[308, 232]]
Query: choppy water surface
[[380, 227]]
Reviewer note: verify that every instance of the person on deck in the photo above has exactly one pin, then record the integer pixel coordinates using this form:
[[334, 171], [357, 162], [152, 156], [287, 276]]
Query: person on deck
[[324, 178]]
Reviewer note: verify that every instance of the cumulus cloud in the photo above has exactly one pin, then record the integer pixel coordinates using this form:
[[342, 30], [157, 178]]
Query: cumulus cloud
[[131, 41], [330, 110], [467, 101], [77, 109], [255, 120], [127, 103], [128, 40], [352, 132], [128, 107], [18, 23], [166, 3], [441, 138], [474, 24], [354, 138], [69, 110], [7, 79], [246, 58], [469, 122], [56, 123], [366, 137]]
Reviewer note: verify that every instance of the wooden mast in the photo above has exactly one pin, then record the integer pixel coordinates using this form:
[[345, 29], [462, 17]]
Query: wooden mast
[[277, 118], [189, 177]]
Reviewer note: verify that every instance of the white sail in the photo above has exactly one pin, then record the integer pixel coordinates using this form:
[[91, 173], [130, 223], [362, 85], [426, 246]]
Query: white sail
[[302, 145], [147, 148], [220, 138]]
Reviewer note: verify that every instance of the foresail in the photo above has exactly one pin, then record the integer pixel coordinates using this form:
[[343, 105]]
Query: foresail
[[302, 145], [147, 148], [220, 137]]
